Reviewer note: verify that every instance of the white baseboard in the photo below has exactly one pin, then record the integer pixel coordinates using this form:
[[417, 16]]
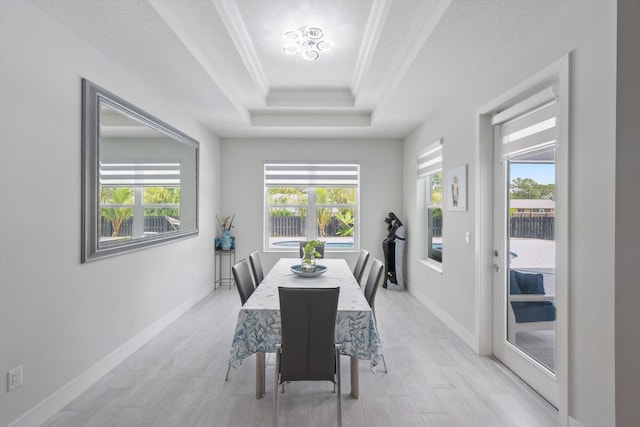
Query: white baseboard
[[468, 337], [54, 403]]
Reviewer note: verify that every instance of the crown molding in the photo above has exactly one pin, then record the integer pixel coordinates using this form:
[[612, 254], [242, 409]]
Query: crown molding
[[311, 119], [312, 98], [165, 11], [232, 19], [439, 8], [371, 36]]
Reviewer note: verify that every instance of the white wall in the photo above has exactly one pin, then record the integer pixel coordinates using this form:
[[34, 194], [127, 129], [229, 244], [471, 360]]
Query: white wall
[[243, 184], [58, 317], [502, 45]]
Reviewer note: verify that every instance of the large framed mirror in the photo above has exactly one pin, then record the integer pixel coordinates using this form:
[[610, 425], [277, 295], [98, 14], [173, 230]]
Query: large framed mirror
[[139, 178]]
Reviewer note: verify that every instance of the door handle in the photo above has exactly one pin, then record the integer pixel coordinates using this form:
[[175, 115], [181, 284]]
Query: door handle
[[496, 267]]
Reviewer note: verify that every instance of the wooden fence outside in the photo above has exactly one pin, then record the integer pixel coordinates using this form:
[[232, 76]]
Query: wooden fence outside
[[522, 227], [436, 226], [533, 227], [295, 226], [152, 224]]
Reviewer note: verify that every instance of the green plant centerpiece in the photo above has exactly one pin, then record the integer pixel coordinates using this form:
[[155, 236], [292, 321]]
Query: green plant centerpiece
[[309, 255]]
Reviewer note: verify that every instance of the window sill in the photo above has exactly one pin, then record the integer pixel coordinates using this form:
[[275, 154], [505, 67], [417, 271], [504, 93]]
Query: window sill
[[436, 266]]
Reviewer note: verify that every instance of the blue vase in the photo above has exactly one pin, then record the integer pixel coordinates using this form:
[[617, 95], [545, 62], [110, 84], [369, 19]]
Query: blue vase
[[226, 240]]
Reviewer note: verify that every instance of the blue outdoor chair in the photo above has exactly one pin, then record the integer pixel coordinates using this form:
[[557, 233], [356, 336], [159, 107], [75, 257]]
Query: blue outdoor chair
[[529, 308]]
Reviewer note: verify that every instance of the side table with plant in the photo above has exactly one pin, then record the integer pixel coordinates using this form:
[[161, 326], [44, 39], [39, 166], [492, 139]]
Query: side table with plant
[[225, 227]]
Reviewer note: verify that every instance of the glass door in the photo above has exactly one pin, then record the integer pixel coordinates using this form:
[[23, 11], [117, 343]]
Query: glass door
[[530, 231], [525, 267]]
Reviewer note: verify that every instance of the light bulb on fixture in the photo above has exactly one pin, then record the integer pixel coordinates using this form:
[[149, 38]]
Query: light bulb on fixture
[[306, 41]]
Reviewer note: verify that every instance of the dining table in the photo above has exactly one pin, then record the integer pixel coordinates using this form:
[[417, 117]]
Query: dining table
[[258, 329]]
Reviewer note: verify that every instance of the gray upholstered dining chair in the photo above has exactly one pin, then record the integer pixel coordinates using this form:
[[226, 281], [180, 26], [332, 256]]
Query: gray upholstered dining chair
[[361, 264], [256, 267], [244, 283], [371, 288], [308, 351]]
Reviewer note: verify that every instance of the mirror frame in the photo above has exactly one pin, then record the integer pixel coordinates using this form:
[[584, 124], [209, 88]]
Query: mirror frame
[[92, 97]]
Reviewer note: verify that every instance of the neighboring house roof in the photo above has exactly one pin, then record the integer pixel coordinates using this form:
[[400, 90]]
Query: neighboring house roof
[[532, 204]]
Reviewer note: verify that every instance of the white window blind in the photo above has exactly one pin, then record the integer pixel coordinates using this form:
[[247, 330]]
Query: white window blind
[[530, 125], [140, 174], [430, 159], [311, 174]]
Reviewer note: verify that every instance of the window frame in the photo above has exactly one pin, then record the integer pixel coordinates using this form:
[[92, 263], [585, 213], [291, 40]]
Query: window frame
[[431, 206], [429, 164], [311, 184]]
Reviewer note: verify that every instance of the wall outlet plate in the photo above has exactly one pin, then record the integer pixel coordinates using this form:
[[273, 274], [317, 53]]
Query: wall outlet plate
[[14, 378]]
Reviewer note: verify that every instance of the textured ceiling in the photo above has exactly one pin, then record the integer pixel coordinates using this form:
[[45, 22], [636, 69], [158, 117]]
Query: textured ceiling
[[222, 60]]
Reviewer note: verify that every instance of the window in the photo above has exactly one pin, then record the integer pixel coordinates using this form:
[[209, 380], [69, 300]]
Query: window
[[430, 178], [309, 201], [138, 199]]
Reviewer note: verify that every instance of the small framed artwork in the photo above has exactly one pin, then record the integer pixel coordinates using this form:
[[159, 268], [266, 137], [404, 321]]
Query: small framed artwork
[[457, 189]]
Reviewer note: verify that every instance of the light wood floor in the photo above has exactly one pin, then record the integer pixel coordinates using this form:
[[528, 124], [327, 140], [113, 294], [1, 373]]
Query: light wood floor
[[434, 379]]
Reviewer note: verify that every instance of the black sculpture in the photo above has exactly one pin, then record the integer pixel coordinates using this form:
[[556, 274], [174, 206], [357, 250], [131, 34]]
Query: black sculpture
[[393, 248]]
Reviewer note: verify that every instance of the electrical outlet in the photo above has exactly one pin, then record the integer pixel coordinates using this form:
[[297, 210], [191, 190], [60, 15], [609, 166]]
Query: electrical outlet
[[14, 378]]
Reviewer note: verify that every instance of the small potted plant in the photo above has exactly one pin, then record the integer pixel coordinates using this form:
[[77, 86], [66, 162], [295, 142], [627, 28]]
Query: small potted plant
[[309, 255], [225, 226]]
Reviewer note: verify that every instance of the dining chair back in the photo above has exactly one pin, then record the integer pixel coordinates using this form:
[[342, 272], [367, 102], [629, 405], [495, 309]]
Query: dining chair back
[[373, 281], [371, 288], [256, 267], [173, 222], [308, 351], [244, 282], [319, 249], [361, 264]]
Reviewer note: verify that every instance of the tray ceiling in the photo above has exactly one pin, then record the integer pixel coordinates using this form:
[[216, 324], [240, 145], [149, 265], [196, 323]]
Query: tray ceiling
[[223, 61]]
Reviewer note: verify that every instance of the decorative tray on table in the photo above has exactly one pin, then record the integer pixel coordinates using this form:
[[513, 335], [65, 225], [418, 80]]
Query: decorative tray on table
[[297, 269]]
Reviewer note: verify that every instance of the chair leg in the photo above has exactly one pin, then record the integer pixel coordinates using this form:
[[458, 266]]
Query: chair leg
[[339, 385], [275, 394], [226, 378]]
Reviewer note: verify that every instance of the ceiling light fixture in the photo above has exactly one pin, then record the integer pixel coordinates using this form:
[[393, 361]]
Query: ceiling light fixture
[[307, 41]]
